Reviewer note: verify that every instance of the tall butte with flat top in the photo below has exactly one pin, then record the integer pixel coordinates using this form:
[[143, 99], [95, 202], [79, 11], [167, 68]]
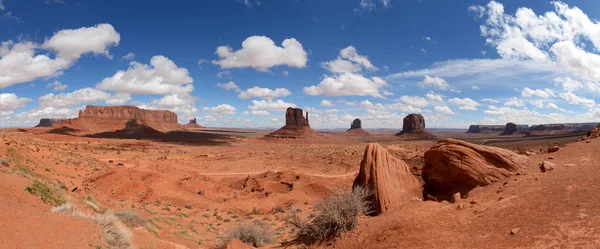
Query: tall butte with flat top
[[414, 127], [296, 126]]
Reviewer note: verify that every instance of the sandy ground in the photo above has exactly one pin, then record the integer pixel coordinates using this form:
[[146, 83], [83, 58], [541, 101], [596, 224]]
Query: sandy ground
[[193, 187]]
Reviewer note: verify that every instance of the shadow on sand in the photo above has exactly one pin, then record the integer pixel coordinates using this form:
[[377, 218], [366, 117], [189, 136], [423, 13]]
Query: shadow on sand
[[133, 130]]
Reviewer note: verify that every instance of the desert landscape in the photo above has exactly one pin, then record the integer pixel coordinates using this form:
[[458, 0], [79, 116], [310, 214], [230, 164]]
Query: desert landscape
[[136, 178]]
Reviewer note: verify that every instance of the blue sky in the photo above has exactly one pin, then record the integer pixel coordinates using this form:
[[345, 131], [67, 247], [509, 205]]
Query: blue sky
[[237, 63]]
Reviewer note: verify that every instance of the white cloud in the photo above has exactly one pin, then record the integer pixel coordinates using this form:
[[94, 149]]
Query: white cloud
[[264, 93], [554, 106], [19, 62], [326, 103], [478, 10], [1, 5], [72, 43], [270, 105], [434, 82], [414, 101], [490, 100], [444, 110], [222, 109], [405, 108], [78, 97], [224, 74], [162, 76], [577, 100], [57, 86], [350, 53], [369, 5], [545, 93], [261, 53], [34, 115], [475, 88], [466, 104], [370, 106], [386, 93], [202, 61], [348, 84], [129, 56], [118, 99], [229, 86], [181, 103], [10, 102], [260, 113], [515, 102], [568, 84], [434, 97], [349, 61]]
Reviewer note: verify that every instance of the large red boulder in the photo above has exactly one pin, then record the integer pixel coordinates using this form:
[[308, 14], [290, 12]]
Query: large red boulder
[[457, 166], [389, 179]]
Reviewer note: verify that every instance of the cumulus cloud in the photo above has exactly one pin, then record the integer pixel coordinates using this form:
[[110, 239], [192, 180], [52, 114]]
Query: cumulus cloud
[[348, 84], [270, 105], [326, 103], [515, 102], [162, 76], [229, 86], [349, 61], [260, 113], [369, 5], [261, 53], [222, 109], [577, 100], [78, 97], [57, 86], [181, 103], [444, 110], [129, 56], [434, 82], [264, 93], [434, 97], [490, 100], [19, 62], [10, 102], [541, 93], [466, 104], [34, 115], [414, 101]]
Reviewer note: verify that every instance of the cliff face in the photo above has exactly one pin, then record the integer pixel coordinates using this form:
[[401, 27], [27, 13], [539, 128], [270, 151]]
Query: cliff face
[[128, 113], [294, 116], [296, 126], [47, 122]]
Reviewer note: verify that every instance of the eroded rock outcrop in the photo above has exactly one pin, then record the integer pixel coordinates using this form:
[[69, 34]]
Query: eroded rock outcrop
[[193, 123], [389, 179], [296, 126], [485, 128], [96, 119], [356, 129], [509, 129], [594, 133], [457, 166], [414, 126], [48, 122]]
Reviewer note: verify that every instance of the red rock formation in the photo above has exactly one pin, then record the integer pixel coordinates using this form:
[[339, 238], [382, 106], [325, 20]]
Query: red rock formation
[[594, 133], [356, 129], [356, 124], [47, 122], [388, 177], [96, 119], [192, 124], [414, 127], [509, 129], [457, 166], [296, 126]]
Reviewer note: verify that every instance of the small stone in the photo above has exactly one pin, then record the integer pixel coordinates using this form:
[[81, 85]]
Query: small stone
[[455, 197], [473, 202], [188, 206], [110, 161], [500, 198], [119, 164], [553, 149], [461, 206], [588, 141], [547, 166], [514, 231]]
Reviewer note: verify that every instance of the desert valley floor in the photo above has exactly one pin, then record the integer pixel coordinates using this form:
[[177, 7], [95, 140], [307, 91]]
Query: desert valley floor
[[186, 189]]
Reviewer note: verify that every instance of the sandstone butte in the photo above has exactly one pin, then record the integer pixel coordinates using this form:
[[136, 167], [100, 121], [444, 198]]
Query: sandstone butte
[[388, 178], [192, 124], [296, 126], [509, 129], [413, 126], [97, 119], [456, 166], [356, 129], [48, 122]]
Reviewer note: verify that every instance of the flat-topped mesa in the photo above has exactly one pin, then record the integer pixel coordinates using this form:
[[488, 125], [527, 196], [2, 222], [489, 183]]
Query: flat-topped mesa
[[193, 123], [296, 126], [510, 129], [485, 128], [142, 116], [48, 122], [294, 116], [356, 124], [414, 125]]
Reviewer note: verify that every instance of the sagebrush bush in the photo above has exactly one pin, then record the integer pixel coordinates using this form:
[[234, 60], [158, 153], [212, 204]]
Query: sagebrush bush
[[332, 216], [256, 233], [131, 218], [116, 234]]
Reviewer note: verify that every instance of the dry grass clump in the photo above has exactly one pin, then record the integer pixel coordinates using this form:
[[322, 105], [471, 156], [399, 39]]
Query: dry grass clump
[[47, 193], [256, 233], [131, 218], [332, 216], [117, 235]]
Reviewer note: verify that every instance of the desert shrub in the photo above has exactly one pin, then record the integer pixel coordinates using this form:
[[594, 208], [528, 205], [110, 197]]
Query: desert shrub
[[131, 218], [117, 235], [46, 193], [256, 233], [332, 216]]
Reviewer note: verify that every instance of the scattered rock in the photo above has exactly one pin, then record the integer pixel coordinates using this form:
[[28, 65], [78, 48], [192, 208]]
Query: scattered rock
[[188, 206], [457, 166], [553, 149], [110, 161], [120, 164], [455, 197], [461, 206], [473, 202], [514, 231], [547, 166], [388, 177]]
